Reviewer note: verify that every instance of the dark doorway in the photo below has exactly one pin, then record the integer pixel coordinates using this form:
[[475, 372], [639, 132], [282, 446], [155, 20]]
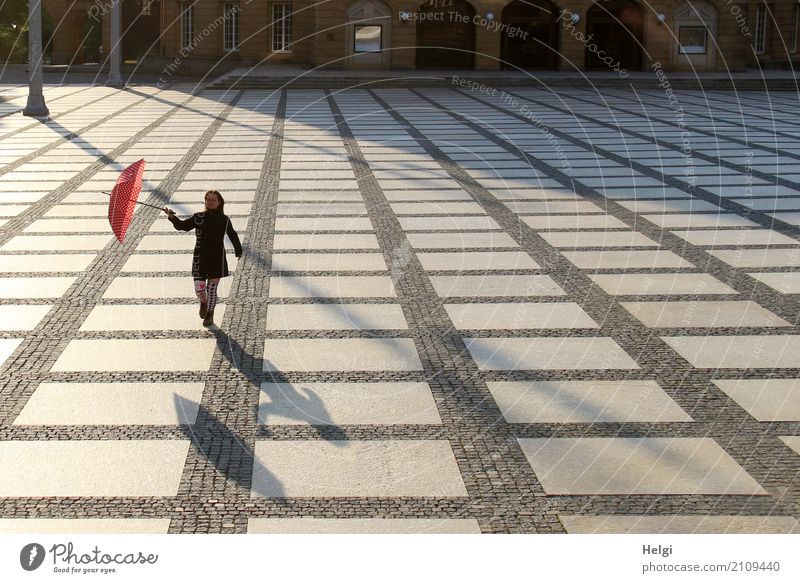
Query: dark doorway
[[141, 28], [616, 30], [530, 40], [446, 35]]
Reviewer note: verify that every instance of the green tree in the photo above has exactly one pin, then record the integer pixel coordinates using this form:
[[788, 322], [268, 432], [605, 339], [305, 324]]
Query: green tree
[[13, 31]]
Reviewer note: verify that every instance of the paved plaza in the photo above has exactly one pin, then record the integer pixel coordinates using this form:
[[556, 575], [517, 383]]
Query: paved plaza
[[458, 311]]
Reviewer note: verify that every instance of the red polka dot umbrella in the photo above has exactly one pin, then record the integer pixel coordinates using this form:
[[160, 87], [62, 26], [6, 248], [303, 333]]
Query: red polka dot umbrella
[[124, 198]]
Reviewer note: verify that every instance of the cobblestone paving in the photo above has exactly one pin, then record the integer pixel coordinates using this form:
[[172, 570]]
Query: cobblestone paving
[[457, 311]]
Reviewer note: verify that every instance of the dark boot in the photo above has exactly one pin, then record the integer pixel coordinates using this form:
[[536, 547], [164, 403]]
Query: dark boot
[[209, 319], [203, 309]]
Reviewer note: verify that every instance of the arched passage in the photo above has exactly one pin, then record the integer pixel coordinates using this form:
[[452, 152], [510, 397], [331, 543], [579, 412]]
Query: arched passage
[[531, 39], [445, 35], [615, 29], [141, 28]]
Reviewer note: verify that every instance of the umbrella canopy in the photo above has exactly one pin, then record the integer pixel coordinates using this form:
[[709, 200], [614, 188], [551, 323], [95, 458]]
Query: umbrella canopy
[[123, 199]]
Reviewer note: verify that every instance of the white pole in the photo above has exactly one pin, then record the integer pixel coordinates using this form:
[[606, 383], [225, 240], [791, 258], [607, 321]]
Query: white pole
[[36, 106]]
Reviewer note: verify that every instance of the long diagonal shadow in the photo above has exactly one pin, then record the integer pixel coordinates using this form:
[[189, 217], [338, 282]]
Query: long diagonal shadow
[[234, 461]]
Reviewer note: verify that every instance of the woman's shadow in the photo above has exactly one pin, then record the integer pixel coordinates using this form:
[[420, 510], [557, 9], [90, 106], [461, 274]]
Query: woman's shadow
[[229, 452]]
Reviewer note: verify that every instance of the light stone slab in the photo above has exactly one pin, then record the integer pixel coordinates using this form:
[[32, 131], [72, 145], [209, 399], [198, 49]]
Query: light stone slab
[[668, 206], [68, 226], [176, 242], [598, 239], [789, 257], [631, 259], [347, 404], [585, 402], [765, 399], [112, 404], [548, 354], [343, 241], [136, 355], [361, 526], [12, 210], [7, 348], [630, 466], [460, 240], [151, 317], [448, 223], [336, 317], [356, 468], [738, 351], [23, 318], [674, 524], [45, 263], [342, 286], [341, 354], [158, 288], [786, 283], [426, 195], [57, 243], [328, 262], [791, 218], [555, 222], [575, 206], [336, 208], [736, 237], [792, 441], [91, 468], [693, 221], [518, 316], [34, 287], [165, 262], [437, 208], [476, 260], [90, 526], [711, 314], [635, 284], [80, 210], [283, 224], [495, 285]]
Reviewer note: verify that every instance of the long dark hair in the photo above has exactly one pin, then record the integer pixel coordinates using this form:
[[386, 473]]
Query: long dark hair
[[221, 208]]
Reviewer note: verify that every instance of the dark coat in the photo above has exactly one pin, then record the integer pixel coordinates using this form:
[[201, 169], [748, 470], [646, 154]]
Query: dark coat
[[210, 229]]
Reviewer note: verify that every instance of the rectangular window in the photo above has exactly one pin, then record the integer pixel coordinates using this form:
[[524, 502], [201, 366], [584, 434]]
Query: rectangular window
[[367, 38], [692, 40], [146, 8], [187, 25], [795, 27], [282, 27], [761, 29], [230, 34]]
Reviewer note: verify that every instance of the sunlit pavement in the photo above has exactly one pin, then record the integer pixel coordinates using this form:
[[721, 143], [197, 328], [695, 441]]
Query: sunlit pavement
[[459, 310]]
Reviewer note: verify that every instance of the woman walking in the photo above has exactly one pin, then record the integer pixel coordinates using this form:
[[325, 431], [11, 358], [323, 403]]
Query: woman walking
[[208, 263]]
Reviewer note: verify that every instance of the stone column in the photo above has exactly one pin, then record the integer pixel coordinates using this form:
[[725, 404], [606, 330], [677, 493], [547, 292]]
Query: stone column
[[36, 105], [114, 78]]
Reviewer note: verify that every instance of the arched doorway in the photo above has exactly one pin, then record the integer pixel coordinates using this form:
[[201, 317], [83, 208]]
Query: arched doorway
[[695, 28], [445, 35], [369, 34], [616, 30], [141, 28], [532, 38]]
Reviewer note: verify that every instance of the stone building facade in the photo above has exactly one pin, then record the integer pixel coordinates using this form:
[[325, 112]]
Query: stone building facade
[[619, 35]]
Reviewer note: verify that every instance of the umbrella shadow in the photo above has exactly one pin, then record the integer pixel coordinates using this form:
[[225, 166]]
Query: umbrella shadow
[[284, 401]]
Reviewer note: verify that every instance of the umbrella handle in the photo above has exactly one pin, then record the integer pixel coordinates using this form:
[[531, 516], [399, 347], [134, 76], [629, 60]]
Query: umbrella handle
[[161, 208]]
